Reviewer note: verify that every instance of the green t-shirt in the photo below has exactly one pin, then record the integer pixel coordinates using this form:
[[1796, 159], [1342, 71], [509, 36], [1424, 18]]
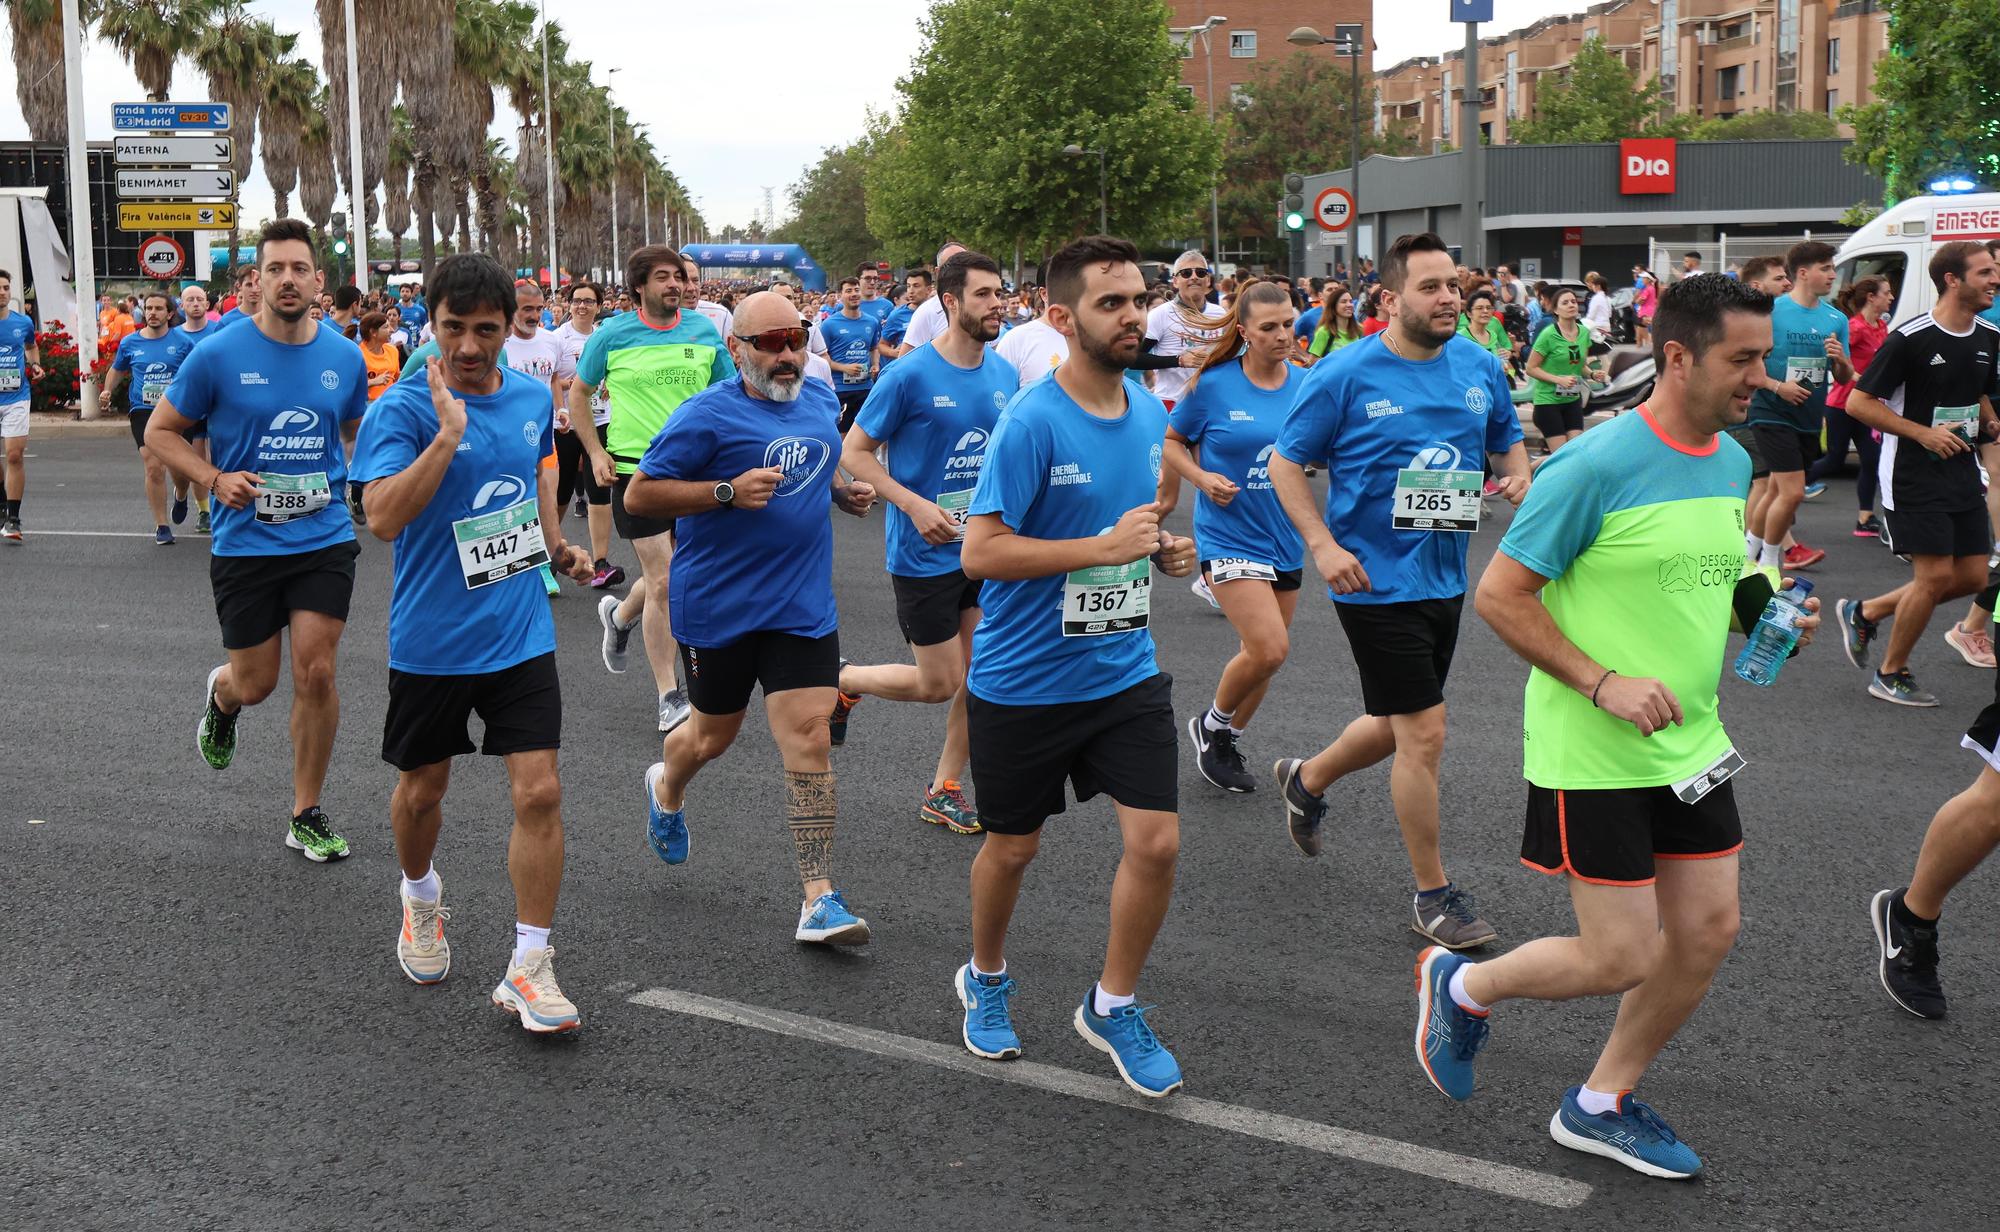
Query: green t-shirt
[[1560, 357], [415, 363], [1496, 339], [648, 371], [1642, 540], [1325, 342]]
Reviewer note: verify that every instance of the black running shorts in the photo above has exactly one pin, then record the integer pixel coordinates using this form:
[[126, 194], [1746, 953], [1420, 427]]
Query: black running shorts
[[1968, 532], [630, 526], [1403, 651], [137, 422], [1786, 449], [521, 707], [1746, 436], [255, 596], [850, 406], [1124, 745], [719, 679], [929, 609], [1558, 418], [1613, 837]]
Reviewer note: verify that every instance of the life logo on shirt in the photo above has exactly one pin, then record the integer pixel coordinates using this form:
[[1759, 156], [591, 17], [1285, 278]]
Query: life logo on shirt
[[1476, 400], [502, 492], [802, 458], [1438, 456], [293, 434], [329, 379]]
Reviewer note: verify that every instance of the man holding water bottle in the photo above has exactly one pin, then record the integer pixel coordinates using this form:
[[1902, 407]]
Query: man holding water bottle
[[1619, 581]]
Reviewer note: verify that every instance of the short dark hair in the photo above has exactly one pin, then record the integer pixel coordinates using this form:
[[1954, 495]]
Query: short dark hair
[[1479, 294], [1065, 274], [469, 281], [868, 267], [1993, 246], [583, 284], [1952, 260], [161, 292], [1804, 253], [346, 296], [6, 276], [953, 273], [1396, 261], [1757, 267], [1692, 312], [922, 271], [849, 281], [282, 230], [245, 273], [647, 258], [1691, 253]]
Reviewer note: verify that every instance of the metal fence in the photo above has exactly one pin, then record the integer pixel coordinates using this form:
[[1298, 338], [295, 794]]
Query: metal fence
[[1664, 258]]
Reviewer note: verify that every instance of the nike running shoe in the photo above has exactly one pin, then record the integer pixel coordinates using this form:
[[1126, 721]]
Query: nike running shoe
[[1143, 1062], [1451, 919], [215, 735], [529, 991], [836, 723], [617, 637], [1907, 959], [607, 575], [1448, 1035], [162, 537], [674, 709], [827, 921], [1200, 587], [1218, 758], [11, 529], [312, 835], [180, 510], [421, 949], [666, 832], [1799, 556], [1902, 689], [1868, 528], [579, 508], [1815, 490], [947, 807], [201, 522], [1632, 1134], [1304, 812], [1974, 646], [1856, 631], [989, 1027]]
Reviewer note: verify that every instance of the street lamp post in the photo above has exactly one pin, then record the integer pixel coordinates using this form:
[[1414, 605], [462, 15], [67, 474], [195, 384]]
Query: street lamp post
[[354, 205], [1103, 214], [1214, 183], [1346, 41], [549, 150], [611, 124]]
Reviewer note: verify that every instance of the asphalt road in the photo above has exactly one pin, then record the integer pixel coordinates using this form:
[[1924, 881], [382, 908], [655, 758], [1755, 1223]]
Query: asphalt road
[[204, 1030]]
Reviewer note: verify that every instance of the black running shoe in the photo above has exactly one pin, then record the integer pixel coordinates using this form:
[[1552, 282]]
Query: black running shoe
[[1907, 959], [1218, 758], [1304, 812]]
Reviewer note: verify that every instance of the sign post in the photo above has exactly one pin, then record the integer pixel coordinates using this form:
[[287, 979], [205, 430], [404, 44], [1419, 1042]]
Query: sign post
[[174, 173], [1472, 250], [79, 209], [1334, 208]]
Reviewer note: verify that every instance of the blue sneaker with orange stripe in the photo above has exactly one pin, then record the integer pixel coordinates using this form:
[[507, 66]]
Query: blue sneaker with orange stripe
[[1632, 1134], [530, 993], [1448, 1035]]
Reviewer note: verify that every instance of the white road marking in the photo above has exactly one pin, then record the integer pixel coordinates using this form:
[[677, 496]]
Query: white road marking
[[1502, 1179], [94, 534]]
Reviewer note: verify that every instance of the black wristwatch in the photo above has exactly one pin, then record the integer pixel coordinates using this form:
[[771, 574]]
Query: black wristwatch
[[725, 494]]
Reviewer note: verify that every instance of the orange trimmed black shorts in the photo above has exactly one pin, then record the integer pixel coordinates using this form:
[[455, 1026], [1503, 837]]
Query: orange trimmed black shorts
[[1613, 836]]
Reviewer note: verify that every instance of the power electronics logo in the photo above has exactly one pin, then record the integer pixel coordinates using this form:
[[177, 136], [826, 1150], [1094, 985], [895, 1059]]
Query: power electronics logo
[[502, 492]]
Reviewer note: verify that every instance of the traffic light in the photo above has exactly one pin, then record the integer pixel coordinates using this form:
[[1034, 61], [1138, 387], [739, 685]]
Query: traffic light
[[339, 234], [1294, 211]]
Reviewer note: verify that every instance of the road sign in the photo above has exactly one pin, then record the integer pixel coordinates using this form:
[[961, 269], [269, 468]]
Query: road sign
[[147, 151], [153, 117], [161, 257], [1334, 207], [176, 215], [1472, 10], [179, 184]]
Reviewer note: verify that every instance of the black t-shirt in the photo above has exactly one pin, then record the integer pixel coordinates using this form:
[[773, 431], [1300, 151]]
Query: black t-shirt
[[1921, 368]]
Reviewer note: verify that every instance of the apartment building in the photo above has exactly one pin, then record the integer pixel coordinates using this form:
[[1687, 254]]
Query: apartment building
[[1713, 57], [1252, 37]]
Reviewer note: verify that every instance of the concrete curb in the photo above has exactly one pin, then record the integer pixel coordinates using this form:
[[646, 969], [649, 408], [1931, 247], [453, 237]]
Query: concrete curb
[[45, 425]]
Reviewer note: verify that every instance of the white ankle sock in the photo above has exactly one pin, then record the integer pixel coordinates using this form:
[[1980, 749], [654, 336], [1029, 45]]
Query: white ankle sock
[[1102, 1002], [1597, 1103], [1773, 556], [1457, 990], [424, 888], [1215, 720], [527, 937], [1753, 546], [973, 967]]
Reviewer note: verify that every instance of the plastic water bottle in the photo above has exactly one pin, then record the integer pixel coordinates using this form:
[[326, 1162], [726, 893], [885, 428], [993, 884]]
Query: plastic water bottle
[[1771, 642]]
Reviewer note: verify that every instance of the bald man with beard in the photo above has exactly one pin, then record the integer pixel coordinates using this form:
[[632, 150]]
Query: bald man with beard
[[747, 468]]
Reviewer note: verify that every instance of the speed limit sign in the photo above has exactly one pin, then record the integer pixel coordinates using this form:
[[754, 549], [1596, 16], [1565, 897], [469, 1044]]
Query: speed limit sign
[[161, 256], [1334, 208]]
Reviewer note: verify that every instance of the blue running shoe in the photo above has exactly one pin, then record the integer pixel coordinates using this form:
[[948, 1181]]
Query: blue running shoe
[[1143, 1062], [827, 921], [989, 1028], [1634, 1135], [1815, 490], [180, 510], [1448, 1036], [667, 832]]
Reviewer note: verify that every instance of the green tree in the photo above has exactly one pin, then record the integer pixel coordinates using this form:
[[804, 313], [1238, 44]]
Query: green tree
[[997, 90], [830, 209], [1294, 113], [1766, 126], [1937, 101], [1600, 100], [152, 34]]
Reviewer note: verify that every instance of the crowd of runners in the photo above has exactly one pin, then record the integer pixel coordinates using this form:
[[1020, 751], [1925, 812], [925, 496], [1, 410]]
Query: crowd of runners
[[1027, 476]]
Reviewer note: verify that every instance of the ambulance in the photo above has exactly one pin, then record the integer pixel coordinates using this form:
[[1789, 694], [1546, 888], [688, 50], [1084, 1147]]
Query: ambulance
[[1899, 243]]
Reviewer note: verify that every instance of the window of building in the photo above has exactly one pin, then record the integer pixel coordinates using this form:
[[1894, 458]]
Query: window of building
[[1785, 80], [1513, 83], [1832, 101], [1183, 39], [1833, 55], [1444, 108], [1756, 72], [1670, 43], [1243, 45], [1726, 83]]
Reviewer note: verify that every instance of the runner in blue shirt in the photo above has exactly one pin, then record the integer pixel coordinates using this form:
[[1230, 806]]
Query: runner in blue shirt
[[873, 302], [1064, 684], [451, 469], [20, 368], [279, 398], [851, 338], [412, 311], [1251, 557], [1788, 412], [934, 411], [1404, 420], [149, 359], [747, 466], [916, 289], [196, 328]]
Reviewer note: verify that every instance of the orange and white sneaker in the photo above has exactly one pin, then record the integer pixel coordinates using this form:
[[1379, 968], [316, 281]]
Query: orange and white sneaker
[[530, 991], [421, 949]]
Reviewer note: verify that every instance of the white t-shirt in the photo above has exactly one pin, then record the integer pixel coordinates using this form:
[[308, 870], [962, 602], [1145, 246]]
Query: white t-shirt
[[926, 323], [1035, 349], [1597, 314], [1168, 327], [542, 357], [818, 369], [572, 344], [718, 316]]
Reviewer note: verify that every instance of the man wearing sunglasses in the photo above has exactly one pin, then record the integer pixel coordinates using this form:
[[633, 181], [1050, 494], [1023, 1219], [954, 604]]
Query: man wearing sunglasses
[[747, 467]]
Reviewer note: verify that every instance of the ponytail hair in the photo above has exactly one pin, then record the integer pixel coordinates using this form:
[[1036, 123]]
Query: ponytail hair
[[1230, 344], [1857, 293]]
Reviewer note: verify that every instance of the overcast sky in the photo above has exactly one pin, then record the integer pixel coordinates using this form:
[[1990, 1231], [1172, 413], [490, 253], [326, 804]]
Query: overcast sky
[[747, 97]]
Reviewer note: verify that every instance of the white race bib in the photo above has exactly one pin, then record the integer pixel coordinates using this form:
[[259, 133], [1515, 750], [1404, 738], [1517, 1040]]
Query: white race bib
[[957, 506], [1438, 500], [1720, 771], [287, 498], [1963, 420], [10, 381], [1107, 599], [1236, 569], [493, 547], [1806, 370], [150, 392]]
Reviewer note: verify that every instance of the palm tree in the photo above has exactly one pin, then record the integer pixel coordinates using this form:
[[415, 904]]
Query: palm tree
[[36, 26], [378, 27], [153, 34], [488, 192], [237, 52], [290, 91], [396, 183], [317, 181], [423, 68]]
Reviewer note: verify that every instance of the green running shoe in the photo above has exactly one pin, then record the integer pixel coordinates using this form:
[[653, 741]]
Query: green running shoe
[[948, 807], [312, 836], [215, 735]]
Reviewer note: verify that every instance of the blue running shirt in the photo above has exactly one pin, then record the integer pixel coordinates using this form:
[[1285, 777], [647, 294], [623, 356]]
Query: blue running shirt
[[151, 364], [466, 596], [850, 340], [1234, 426], [277, 409], [17, 335], [935, 419], [1055, 471], [1370, 414]]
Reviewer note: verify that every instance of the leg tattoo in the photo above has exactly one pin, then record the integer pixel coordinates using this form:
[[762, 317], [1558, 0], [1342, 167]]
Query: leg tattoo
[[809, 807]]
